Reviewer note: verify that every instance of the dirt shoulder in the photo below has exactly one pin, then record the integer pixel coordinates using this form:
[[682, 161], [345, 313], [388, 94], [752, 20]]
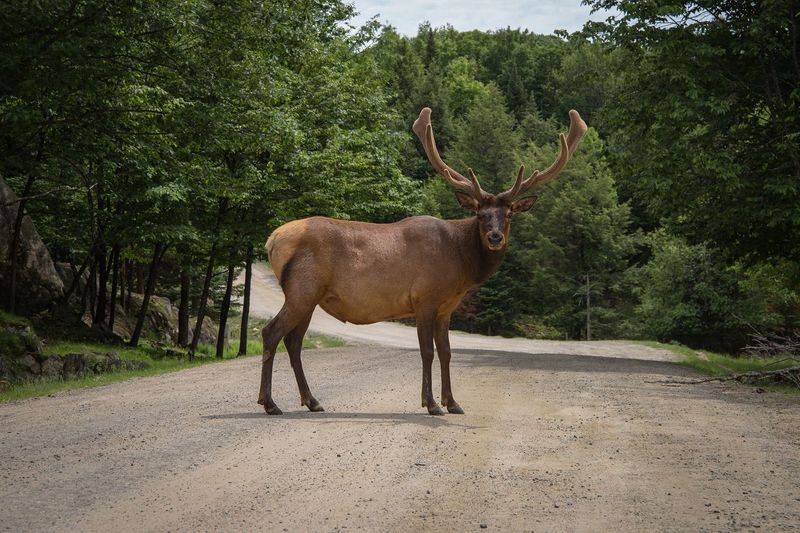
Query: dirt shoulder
[[549, 442]]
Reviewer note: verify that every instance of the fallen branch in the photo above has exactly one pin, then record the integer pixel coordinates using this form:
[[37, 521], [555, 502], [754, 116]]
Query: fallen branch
[[770, 345], [789, 375]]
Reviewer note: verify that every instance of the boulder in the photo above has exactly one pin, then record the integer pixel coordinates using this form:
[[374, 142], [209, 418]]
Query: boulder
[[38, 283], [53, 366], [20, 348], [67, 275], [208, 331], [161, 321], [80, 364]]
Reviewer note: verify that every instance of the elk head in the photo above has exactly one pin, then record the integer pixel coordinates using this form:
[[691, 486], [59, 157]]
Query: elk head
[[494, 211]]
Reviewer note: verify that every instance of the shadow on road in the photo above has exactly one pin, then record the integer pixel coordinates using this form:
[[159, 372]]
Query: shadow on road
[[567, 363], [330, 416]]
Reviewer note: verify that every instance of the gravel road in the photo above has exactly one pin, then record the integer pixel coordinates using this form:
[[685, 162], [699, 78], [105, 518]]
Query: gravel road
[[551, 441]]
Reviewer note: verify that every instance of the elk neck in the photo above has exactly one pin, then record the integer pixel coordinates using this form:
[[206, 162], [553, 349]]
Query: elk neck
[[481, 262]]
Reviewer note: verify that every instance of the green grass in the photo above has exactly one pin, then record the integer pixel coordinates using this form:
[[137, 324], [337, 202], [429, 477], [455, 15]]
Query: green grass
[[158, 364], [723, 365], [14, 320]]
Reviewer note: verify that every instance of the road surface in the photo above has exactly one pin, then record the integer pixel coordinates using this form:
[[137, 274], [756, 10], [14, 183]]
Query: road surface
[[551, 441]]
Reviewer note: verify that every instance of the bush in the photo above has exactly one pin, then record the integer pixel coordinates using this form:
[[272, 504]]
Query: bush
[[686, 294]]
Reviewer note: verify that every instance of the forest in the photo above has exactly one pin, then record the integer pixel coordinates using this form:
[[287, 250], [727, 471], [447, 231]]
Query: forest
[[155, 146]]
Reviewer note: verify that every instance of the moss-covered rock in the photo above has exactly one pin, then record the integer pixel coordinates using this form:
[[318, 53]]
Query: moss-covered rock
[[20, 348]]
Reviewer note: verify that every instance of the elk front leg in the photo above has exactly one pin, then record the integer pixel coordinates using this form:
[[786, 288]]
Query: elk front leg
[[425, 334], [442, 337]]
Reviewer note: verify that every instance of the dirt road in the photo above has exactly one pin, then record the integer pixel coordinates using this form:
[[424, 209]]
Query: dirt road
[[550, 442], [562, 437]]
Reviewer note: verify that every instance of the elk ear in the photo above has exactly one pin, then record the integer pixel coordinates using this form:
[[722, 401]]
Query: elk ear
[[467, 201], [524, 204]]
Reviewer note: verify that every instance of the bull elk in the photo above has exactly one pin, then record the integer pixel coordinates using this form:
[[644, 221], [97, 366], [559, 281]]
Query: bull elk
[[421, 266]]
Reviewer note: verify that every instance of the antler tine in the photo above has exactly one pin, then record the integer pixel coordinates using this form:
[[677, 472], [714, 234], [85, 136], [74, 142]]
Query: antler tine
[[577, 129], [424, 130], [568, 144], [476, 186], [514, 190], [540, 177]]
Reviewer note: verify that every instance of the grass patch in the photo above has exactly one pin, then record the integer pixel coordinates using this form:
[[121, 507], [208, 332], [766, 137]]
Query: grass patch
[[723, 365], [158, 364]]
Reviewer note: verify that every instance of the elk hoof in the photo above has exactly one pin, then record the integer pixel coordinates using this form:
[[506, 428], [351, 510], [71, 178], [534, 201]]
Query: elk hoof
[[455, 409], [435, 410], [272, 409], [314, 406]]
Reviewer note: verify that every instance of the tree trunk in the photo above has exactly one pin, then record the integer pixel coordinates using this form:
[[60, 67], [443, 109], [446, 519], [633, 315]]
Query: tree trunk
[[13, 252], [121, 282], [588, 309], [76, 278], [201, 308], [248, 278], [158, 254], [129, 283], [114, 283], [88, 286], [102, 285], [183, 310], [223, 315], [92, 289], [139, 278]]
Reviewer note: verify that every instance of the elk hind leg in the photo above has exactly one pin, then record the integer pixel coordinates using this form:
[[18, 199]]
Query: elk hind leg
[[285, 321], [294, 345]]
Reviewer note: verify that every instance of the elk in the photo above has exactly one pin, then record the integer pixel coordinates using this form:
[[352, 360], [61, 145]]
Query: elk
[[421, 266]]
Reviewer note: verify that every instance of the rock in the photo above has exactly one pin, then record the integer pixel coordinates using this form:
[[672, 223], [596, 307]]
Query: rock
[[66, 274], [208, 331], [20, 349], [53, 366], [135, 365], [122, 325], [38, 283], [79, 364], [28, 364], [161, 321], [74, 364]]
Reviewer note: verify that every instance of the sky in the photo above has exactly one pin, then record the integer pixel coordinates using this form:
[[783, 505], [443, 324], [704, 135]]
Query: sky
[[538, 16]]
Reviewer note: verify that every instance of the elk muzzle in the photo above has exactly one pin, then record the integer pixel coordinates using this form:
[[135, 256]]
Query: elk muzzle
[[495, 240]]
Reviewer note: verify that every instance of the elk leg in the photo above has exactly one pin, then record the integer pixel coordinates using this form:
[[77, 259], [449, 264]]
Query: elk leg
[[442, 338], [425, 335], [285, 321], [294, 344]]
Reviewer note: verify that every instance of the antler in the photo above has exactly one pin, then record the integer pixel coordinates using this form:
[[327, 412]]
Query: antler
[[422, 127], [577, 128]]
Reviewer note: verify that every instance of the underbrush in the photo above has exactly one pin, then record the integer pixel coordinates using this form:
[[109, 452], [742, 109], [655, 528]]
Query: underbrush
[[719, 365]]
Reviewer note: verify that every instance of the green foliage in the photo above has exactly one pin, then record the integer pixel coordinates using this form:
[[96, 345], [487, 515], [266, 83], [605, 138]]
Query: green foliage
[[577, 229], [487, 142], [705, 124]]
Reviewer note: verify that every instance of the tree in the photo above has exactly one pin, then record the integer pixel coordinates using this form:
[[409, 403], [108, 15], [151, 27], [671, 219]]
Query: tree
[[577, 229], [706, 126]]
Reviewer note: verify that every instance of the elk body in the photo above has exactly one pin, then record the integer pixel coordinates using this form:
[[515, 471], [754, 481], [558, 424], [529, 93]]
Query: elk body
[[421, 266]]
